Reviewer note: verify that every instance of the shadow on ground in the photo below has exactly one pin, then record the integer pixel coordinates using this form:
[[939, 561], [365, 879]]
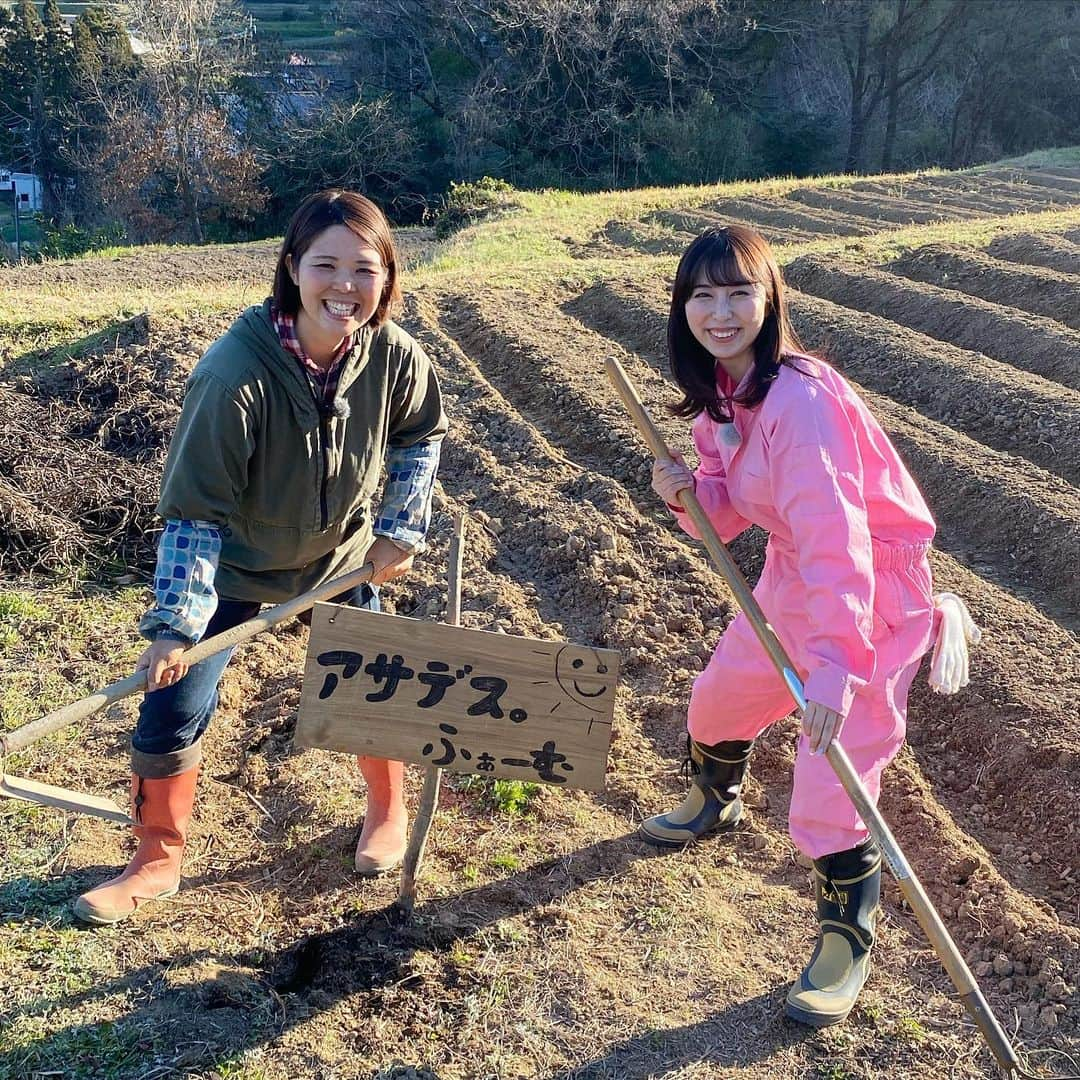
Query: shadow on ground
[[272, 992]]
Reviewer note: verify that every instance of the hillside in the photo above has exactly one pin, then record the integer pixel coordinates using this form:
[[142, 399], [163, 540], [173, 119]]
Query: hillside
[[548, 940]]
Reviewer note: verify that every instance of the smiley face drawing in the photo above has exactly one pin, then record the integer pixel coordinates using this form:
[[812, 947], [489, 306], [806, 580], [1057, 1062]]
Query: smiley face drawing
[[576, 671]]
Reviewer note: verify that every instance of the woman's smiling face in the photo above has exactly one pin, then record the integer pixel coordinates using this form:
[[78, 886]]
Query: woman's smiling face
[[341, 280], [726, 319]]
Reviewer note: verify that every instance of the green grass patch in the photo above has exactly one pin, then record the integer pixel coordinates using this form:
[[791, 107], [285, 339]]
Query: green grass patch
[[509, 797], [64, 646], [1058, 157], [92, 1052]]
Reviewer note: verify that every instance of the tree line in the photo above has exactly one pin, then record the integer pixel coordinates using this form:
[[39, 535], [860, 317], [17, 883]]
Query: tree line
[[204, 131]]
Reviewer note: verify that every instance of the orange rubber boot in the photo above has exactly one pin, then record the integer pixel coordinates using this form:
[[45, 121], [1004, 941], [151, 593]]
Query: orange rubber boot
[[162, 809], [384, 837]]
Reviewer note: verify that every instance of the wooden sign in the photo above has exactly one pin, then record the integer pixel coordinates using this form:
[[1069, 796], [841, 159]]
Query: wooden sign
[[464, 700]]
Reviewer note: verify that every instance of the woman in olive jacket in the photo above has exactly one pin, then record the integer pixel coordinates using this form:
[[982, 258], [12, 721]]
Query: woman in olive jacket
[[288, 421]]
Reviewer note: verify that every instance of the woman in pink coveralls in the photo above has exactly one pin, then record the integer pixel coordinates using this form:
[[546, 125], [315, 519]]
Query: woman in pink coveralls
[[785, 443]]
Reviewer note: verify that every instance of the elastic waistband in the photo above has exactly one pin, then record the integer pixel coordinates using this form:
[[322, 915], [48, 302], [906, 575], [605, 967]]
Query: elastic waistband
[[898, 556]]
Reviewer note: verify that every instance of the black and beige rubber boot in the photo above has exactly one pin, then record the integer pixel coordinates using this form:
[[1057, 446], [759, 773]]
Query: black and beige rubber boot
[[848, 889], [716, 775]]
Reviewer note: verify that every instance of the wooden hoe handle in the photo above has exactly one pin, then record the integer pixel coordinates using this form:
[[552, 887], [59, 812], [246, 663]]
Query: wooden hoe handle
[[22, 737], [914, 893]]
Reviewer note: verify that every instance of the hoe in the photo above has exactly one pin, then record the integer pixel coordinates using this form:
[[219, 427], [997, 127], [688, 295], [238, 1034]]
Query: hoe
[[13, 741], [914, 893]]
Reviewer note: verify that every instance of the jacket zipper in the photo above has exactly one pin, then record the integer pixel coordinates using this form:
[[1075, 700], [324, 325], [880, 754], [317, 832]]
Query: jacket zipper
[[324, 439]]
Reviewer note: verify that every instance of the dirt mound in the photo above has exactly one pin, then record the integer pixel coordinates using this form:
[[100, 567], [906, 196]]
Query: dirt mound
[[1034, 289], [82, 443], [1020, 414], [1028, 342], [776, 228], [785, 215], [971, 193], [152, 268], [1037, 249], [636, 236], [61, 498]]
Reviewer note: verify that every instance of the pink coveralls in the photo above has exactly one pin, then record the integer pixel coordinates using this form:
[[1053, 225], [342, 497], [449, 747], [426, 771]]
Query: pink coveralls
[[846, 584]]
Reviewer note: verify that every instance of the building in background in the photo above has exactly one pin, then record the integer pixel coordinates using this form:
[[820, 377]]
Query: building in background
[[27, 189]]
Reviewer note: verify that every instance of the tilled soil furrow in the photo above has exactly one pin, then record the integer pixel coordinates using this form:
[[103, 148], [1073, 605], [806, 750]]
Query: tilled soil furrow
[[638, 238], [780, 214], [1035, 289], [573, 405], [649, 596], [519, 346], [876, 207], [991, 402], [998, 513], [1018, 716], [220, 264], [1001, 929], [1037, 249], [1017, 338], [987, 200], [522, 413], [1061, 188], [673, 236], [690, 223]]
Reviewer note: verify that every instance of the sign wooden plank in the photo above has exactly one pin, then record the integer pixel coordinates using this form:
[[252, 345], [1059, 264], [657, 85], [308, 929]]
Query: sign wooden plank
[[461, 700]]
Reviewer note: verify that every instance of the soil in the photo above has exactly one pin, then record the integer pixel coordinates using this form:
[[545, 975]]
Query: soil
[[779, 214], [878, 207], [231, 264], [1037, 249], [1062, 182], [554, 943], [1030, 288], [1027, 342], [971, 193]]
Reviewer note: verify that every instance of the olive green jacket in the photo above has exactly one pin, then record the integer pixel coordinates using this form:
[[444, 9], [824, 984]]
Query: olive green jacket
[[289, 487]]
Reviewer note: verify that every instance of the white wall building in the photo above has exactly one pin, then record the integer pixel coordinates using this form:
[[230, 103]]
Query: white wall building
[[27, 189]]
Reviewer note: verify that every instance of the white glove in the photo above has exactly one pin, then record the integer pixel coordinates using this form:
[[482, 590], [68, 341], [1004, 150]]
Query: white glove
[[949, 667]]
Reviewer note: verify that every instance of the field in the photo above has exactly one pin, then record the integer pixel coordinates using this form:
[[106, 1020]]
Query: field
[[549, 941]]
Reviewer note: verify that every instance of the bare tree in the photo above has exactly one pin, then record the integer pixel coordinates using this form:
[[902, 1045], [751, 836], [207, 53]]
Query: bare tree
[[910, 49], [886, 47], [192, 52]]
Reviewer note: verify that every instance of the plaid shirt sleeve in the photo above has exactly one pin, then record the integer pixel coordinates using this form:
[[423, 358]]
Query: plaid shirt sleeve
[[187, 561], [406, 506]]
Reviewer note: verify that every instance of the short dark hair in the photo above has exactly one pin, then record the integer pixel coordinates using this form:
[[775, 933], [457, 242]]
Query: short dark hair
[[315, 215], [727, 255]]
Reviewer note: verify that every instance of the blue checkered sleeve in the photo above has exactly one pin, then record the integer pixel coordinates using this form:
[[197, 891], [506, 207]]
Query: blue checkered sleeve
[[406, 505], [184, 591]]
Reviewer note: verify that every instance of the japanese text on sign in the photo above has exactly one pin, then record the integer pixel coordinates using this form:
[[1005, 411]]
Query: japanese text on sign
[[460, 699]]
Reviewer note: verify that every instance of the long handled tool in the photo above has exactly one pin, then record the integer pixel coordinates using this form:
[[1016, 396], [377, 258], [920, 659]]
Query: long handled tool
[[429, 797], [65, 799], [914, 893]]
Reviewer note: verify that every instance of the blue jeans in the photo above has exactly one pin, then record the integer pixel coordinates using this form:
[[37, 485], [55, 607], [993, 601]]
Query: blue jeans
[[173, 719]]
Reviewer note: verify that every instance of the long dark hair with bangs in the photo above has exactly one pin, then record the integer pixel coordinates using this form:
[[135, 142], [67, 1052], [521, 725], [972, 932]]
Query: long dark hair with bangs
[[727, 255]]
